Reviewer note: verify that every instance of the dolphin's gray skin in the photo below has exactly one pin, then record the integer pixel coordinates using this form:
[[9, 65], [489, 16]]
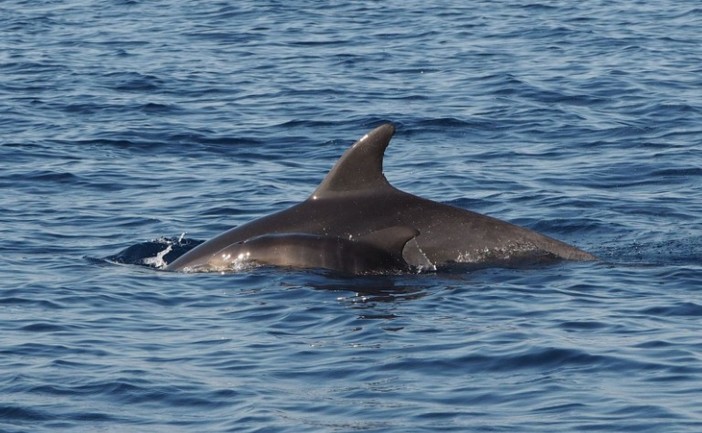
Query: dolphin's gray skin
[[378, 252], [355, 200]]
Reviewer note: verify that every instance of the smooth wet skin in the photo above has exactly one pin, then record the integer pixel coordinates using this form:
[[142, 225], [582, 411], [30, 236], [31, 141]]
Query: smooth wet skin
[[355, 200], [378, 252]]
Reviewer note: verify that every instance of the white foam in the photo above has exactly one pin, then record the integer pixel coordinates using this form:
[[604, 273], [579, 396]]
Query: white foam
[[157, 261]]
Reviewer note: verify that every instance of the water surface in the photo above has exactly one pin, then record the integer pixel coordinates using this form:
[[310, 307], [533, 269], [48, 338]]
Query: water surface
[[126, 123]]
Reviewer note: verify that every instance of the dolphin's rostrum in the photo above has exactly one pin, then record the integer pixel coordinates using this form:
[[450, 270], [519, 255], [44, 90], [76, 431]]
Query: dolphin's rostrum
[[356, 216]]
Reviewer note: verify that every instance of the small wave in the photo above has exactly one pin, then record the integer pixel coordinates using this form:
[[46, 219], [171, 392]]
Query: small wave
[[43, 327], [685, 309], [135, 82], [11, 413], [48, 176]]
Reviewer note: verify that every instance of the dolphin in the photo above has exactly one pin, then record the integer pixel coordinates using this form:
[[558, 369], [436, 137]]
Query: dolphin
[[355, 200], [377, 252]]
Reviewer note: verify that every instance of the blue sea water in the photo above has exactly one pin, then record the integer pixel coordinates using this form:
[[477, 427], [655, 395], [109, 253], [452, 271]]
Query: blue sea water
[[124, 124]]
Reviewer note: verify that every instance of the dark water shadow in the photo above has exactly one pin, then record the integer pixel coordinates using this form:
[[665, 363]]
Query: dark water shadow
[[371, 288]]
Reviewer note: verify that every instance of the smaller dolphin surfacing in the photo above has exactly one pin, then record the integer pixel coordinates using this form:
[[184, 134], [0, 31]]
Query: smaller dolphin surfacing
[[379, 252]]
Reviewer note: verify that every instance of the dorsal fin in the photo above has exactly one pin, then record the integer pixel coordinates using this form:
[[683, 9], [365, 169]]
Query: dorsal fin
[[390, 239], [360, 167]]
